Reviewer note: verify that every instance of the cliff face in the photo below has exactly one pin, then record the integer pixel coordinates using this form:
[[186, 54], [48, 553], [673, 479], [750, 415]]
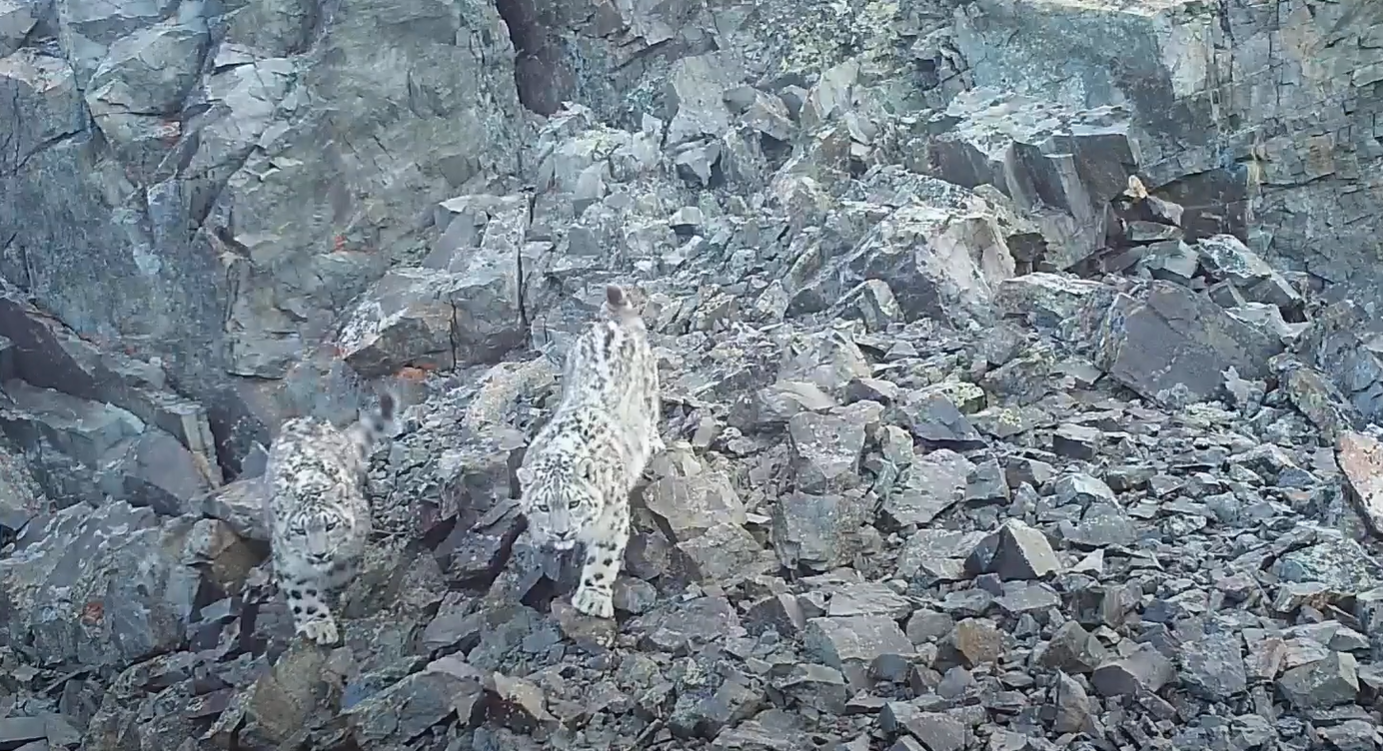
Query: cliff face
[[1017, 356]]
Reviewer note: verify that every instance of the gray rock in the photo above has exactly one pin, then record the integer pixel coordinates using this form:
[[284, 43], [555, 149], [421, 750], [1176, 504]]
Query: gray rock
[[819, 532], [817, 686], [938, 731], [462, 308], [1072, 649], [851, 644], [1213, 667], [101, 587], [826, 451], [411, 706], [1072, 705], [1321, 684], [1021, 552], [1167, 344], [692, 504], [929, 486], [1145, 669], [1224, 257]]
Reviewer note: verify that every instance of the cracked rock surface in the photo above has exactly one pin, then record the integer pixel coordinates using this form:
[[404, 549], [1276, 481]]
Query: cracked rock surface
[[1021, 370]]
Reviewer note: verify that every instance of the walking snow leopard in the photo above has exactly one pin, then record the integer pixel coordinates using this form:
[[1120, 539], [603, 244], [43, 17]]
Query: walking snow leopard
[[577, 474], [319, 518]]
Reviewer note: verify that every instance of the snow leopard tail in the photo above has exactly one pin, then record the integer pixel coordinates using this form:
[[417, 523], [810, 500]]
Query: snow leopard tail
[[377, 424]]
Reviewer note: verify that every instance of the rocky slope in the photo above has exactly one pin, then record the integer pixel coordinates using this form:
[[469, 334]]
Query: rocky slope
[[974, 441]]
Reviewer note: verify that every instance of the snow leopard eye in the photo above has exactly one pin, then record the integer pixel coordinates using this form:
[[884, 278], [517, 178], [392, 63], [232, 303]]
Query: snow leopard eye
[[332, 524]]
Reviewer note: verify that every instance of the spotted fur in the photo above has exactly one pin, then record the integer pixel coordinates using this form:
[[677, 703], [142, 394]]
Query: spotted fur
[[319, 517], [577, 474]]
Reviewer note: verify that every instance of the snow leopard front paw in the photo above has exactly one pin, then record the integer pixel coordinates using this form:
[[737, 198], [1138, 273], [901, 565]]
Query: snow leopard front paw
[[322, 631], [594, 601]]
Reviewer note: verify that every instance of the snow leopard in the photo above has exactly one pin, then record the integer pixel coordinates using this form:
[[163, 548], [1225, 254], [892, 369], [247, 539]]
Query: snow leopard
[[577, 473], [318, 515]]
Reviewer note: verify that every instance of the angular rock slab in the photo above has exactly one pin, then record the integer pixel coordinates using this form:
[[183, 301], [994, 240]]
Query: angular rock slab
[[1169, 344], [1045, 156], [101, 588], [1361, 460], [463, 307]]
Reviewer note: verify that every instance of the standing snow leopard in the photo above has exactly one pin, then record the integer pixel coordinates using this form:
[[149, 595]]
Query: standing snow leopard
[[319, 518], [577, 474]]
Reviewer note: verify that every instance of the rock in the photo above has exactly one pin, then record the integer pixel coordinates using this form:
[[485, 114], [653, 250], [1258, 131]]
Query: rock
[[1339, 344], [1224, 257], [977, 641], [1322, 684], [1361, 460], [1166, 343], [993, 129], [1072, 705], [100, 587], [696, 86], [1213, 667], [929, 486], [411, 706], [1072, 649], [693, 504], [826, 450], [16, 20], [15, 732], [20, 496], [1144, 670], [1051, 302], [851, 644], [934, 419], [818, 531], [462, 307], [817, 686], [1020, 552], [516, 704]]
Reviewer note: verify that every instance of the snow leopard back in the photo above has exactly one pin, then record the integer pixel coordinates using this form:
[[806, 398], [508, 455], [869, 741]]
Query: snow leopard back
[[611, 367]]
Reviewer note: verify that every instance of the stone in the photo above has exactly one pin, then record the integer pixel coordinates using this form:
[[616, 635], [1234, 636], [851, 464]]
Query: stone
[[851, 644], [819, 532], [516, 704], [1072, 705], [1225, 257], [461, 308], [1073, 650], [1213, 667], [1322, 684], [1144, 670], [1166, 343], [1022, 553], [692, 504], [977, 641], [101, 587], [1361, 460], [826, 451], [930, 485]]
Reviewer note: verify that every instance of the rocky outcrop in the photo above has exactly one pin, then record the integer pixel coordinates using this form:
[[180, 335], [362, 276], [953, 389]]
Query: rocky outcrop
[[1020, 372]]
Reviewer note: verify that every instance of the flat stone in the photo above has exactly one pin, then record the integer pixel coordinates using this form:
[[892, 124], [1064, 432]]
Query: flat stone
[[1144, 670], [1171, 345], [1326, 683]]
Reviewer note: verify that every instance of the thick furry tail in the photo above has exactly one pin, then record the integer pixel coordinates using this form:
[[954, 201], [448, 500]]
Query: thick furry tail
[[377, 424]]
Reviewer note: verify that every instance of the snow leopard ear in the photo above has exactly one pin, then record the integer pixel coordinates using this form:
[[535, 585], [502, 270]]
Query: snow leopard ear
[[586, 470], [525, 476]]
